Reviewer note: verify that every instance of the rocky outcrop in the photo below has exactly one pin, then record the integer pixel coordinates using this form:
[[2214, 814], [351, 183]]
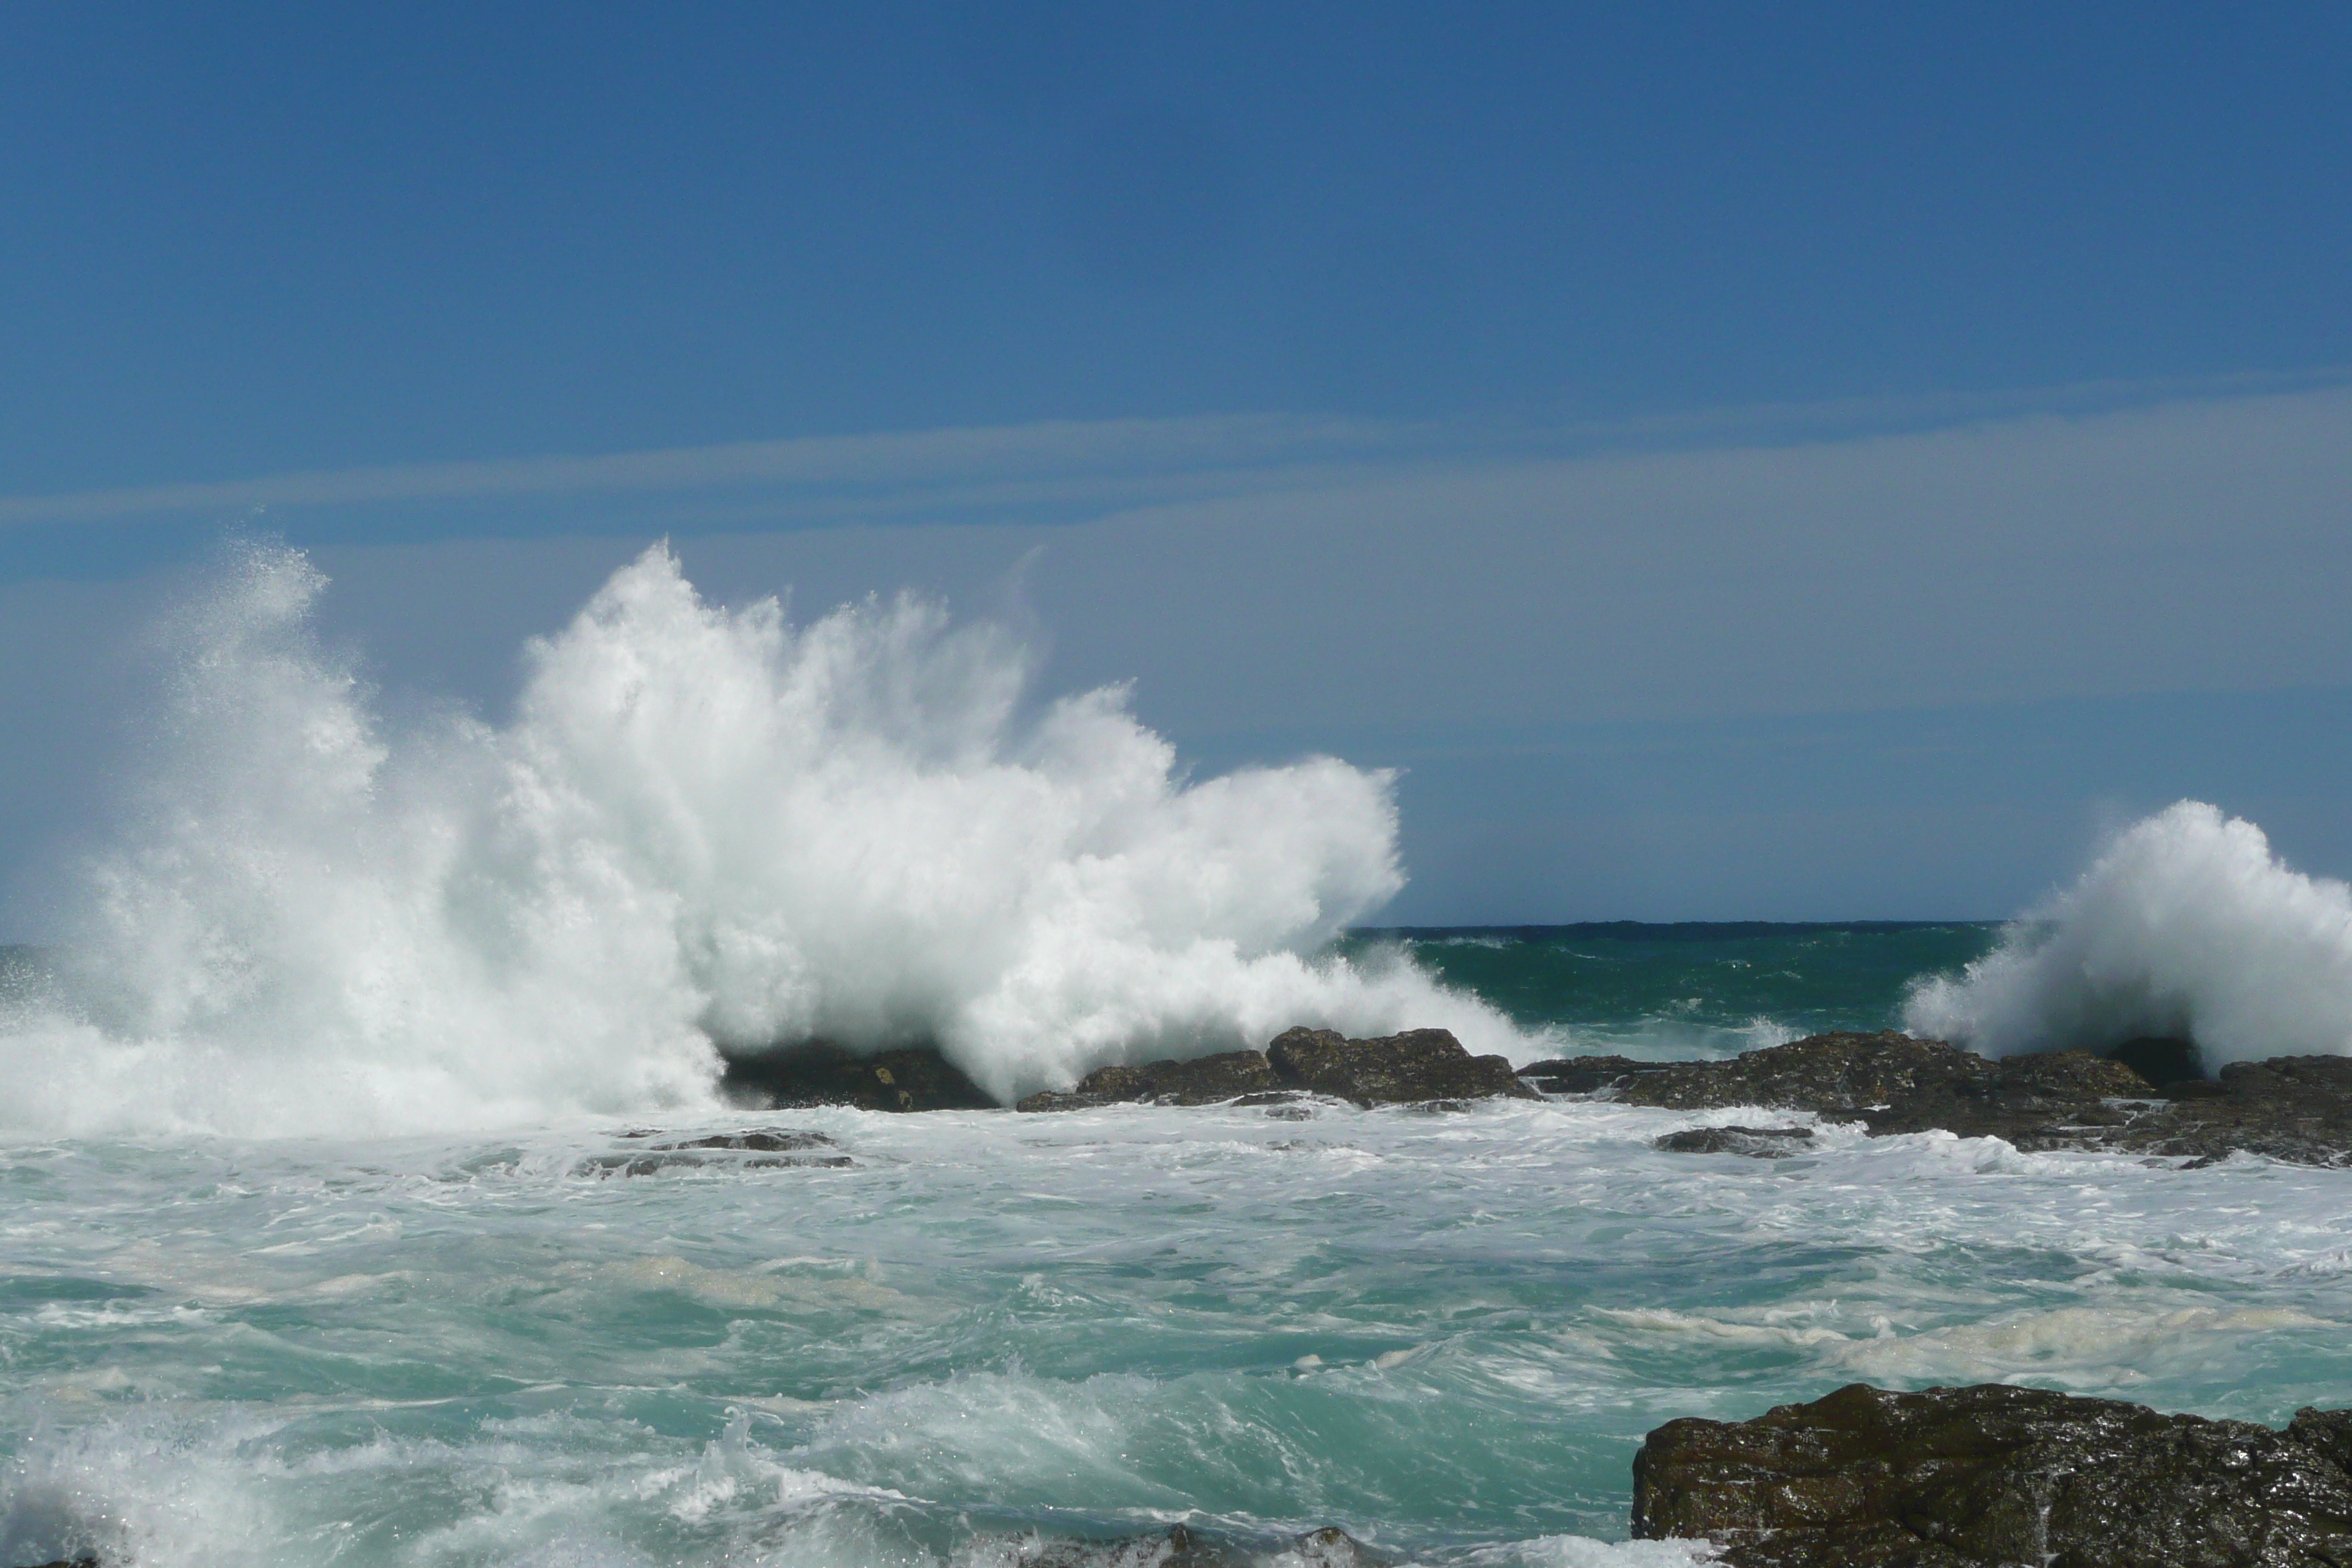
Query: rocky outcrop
[[2297, 1109], [1418, 1067], [1974, 1478], [915, 1077], [1393, 1070], [1203, 1080], [1838, 1074]]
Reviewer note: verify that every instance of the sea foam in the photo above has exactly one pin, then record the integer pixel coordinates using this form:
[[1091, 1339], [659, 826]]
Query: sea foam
[[2187, 926], [702, 829]]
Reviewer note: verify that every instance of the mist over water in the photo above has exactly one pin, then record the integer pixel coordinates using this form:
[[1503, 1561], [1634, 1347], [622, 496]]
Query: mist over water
[[703, 828], [2187, 926]]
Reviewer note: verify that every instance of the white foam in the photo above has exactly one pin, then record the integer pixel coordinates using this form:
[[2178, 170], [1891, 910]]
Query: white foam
[[2187, 926], [702, 824]]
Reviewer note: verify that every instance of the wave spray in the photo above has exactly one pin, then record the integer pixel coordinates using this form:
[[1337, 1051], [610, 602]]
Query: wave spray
[[2188, 927], [703, 828]]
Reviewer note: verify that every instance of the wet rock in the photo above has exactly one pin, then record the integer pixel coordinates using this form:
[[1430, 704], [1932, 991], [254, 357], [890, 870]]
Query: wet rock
[[1203, 1080], [767, 1139], [2296, 1108], [2066, 1099], [1180, 1547], [72, 1562], [1840, 1073], [1174, 1547], [1419, 1067], [1756, 1143], [1331, 1547], [1393, 1070], [915, 1078], [653, 1165], [1583, 1075], [2160, 1059], [1971, 1478], [769, 1148]]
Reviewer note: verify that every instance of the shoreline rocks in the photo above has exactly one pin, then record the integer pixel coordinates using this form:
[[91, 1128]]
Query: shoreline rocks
[[1418, 1067], [2294, 1109], [793, 1078], [1995, 1475], [2144, 1098]]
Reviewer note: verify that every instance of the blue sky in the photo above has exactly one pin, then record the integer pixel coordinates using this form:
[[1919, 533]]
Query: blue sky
[[1658, 428]]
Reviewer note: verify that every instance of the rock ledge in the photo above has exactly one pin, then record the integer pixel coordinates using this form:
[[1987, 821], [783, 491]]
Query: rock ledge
[[1417, 1067], [1971, 1478], [2296, 1108]]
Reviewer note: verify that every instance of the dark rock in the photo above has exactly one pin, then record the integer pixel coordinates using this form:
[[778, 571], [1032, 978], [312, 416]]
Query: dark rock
[[1419, 1067], [2058, 1100], [1833, 1074], [1203, 1080], [1174, 1547], [768, 1140], [72, 1562], [915, 1078], [655, 1163], [2163, 1061], [1178, 1547], [1393, 1069], [1584, 1074], [2296, 1108], [1756, 1143], [1994, 1475], [2327, 1432], [1331, 1547]]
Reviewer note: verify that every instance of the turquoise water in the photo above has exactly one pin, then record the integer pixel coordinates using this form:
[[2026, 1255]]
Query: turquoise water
[[1691, 989], [1446, 1333]]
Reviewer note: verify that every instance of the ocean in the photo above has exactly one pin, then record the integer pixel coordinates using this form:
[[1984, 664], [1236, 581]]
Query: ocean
[[335, 1227]]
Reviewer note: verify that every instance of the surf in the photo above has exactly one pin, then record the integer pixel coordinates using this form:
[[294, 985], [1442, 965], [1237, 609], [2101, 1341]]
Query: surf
[[702, 829]]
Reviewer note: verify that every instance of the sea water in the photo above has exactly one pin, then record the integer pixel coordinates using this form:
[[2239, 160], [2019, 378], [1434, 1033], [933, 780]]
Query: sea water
[[1446, 1331], [319, 1241]]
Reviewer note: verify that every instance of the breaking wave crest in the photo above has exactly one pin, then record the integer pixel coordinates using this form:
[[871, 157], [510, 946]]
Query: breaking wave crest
[[703, 829], [2188, 927]]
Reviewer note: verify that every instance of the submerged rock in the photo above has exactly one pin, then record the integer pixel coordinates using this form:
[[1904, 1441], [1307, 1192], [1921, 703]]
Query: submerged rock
[[2297, 1109], [767, 1148], [1971, 1478], [1180, 1547], [1419, 1067], [1756, 1143], [766, 1139], [914, 1077]]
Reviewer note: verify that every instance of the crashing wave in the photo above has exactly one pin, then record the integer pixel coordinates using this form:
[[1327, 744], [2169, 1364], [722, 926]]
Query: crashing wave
[[703, 829], [2188, 927]]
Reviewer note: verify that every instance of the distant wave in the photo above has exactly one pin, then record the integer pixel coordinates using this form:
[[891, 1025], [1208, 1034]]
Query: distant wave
[[2187, 926], [703, 829]]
